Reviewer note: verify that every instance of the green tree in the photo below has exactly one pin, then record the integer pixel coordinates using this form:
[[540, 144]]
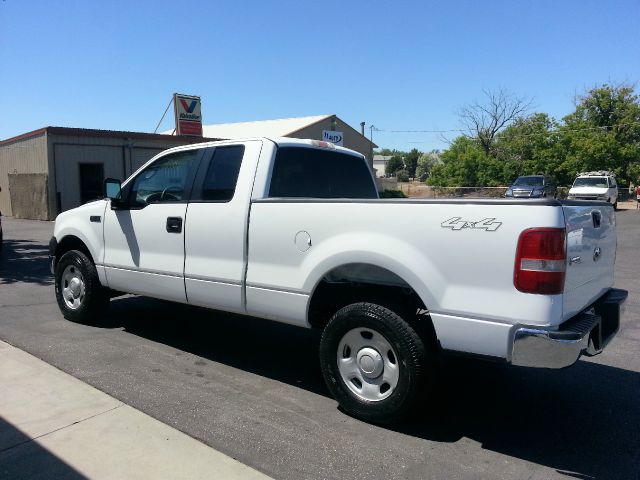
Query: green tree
[[394, 164], [461, 163], [411, 162], [425, 163], [529, 146], [603, 133], [633, 173]]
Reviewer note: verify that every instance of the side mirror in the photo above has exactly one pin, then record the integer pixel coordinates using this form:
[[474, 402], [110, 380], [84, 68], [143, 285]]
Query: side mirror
[[113, 190]]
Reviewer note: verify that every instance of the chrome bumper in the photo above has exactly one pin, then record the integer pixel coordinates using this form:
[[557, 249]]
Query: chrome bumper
[[587, 333]]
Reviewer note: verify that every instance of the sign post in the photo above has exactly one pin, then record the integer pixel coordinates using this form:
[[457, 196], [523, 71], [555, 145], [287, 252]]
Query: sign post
[[188, 114]]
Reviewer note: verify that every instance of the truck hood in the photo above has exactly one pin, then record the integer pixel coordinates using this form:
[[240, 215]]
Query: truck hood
[[588, 190], [92, 208]]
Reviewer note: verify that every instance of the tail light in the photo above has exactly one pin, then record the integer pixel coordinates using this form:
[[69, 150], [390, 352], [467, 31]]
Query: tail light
[[541, 261]]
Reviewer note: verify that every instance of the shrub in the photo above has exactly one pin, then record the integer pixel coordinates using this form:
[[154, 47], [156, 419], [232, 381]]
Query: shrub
[[392, 194], [402, 175]]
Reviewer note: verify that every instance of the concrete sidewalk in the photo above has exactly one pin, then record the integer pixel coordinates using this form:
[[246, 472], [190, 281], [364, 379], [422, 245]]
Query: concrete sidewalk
[[52, 425]]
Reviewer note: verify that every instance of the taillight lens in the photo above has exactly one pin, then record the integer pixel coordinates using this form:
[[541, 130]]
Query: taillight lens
[[541, 261]]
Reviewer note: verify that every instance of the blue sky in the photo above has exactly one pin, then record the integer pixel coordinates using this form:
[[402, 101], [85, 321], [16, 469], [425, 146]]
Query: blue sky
[[396, 65]]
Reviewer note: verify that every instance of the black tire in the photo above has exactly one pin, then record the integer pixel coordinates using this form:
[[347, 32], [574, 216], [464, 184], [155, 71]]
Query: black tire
[[414, 362], [96, 298], [615, 205]]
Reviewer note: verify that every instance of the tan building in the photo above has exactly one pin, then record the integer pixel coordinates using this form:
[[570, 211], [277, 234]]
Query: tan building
[[47, 171]]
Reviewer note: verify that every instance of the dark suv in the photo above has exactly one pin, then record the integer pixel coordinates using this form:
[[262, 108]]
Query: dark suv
[[532, 186]]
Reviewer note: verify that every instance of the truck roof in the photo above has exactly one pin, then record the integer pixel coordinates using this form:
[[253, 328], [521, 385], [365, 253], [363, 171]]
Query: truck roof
[[598, 173], [280, 141]]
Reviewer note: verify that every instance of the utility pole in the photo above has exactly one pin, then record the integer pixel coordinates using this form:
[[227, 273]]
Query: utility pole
[[371, 129]]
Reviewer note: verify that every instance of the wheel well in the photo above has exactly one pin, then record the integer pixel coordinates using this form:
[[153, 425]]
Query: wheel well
[[358, 282], [71, 242]]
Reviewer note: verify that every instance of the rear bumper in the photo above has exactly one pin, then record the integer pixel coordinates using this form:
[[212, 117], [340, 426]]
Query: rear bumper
[[587, 333]]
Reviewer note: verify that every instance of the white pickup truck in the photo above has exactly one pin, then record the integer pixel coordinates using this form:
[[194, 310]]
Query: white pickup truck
[[293, 231]]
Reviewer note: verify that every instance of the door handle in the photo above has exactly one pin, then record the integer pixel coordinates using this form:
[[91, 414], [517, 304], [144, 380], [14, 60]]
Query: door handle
[[174, 224]]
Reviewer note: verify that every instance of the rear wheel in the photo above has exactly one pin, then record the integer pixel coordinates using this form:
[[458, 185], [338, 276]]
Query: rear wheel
[[373, 362], [80, 295]]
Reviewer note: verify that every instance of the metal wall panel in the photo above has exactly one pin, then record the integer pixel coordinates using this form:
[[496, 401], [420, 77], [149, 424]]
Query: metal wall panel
[[67, 159], [22, 156]]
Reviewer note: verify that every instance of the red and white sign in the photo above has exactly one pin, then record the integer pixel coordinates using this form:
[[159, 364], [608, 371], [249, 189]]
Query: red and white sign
[[188, 114]]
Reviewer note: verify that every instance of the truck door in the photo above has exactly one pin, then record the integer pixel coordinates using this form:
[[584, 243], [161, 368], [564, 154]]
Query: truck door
[[215, 243], [144, 240]]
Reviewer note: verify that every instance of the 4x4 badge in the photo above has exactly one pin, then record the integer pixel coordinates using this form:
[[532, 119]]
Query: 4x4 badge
[[456, 223]]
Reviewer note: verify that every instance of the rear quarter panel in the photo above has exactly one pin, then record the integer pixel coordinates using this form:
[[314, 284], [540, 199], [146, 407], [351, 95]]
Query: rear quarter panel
[[465, 272]]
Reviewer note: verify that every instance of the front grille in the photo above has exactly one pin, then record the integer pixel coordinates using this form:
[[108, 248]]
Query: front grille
[[521, 193]]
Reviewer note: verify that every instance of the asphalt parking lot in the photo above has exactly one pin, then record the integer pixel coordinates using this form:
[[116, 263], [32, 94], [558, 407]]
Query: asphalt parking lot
[[253, 389]]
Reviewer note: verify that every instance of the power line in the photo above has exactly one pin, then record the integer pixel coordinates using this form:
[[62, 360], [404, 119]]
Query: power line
[[460, 130]]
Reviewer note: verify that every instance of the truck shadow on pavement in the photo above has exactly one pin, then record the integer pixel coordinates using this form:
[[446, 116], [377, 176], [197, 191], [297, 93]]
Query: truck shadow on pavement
[[24, 261], [582, 421], [255, 345]]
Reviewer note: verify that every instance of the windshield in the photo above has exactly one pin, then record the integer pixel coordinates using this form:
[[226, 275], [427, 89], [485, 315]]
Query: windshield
[[591, 182], [528, 182]]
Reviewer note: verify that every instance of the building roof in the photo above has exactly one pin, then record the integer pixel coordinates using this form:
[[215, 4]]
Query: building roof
[[89, 132], [263, 128]]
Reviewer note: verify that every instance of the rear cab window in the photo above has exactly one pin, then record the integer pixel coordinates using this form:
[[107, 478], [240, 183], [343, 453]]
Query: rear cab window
[[300, 172]]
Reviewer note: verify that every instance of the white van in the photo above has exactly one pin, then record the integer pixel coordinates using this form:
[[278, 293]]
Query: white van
[[600, 185]]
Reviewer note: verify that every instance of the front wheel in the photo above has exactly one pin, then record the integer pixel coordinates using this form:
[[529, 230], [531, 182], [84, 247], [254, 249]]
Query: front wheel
[[80, 295], [373, 362]]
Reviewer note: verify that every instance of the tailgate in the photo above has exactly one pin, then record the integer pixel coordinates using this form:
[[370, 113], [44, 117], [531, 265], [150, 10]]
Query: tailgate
[[591, 254]]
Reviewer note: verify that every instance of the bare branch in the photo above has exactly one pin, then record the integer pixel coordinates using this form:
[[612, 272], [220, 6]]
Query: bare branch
[[483, 121]]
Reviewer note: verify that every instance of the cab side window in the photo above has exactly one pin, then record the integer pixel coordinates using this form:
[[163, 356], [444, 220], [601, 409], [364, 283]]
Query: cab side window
[[164, 181], [219, 184]]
